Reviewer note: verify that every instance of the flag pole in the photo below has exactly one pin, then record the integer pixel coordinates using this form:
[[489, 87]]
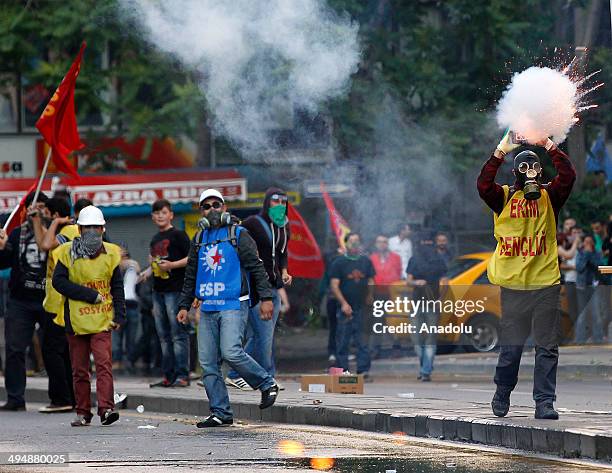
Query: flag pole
[[10, 218], [42, 176]]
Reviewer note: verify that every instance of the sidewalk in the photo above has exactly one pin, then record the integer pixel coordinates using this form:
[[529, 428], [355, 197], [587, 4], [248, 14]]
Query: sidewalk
[[575, 362], [579, 433]]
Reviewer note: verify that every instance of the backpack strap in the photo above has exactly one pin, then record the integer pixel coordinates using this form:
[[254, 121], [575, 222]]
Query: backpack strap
[[233, 234]]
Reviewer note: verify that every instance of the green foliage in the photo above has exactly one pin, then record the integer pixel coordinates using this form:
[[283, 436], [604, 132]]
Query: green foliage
[[589, 204], [142, 91]]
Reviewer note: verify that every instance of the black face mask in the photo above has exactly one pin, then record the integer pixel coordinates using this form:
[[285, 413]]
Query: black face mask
[[528, 172]]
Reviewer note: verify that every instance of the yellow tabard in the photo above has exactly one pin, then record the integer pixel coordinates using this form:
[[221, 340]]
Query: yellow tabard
[[526, 234], [54, 301], [95, 273]]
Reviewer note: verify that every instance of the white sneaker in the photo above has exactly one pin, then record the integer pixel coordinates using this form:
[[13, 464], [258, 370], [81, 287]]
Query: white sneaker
[[119, 398], [238, 383]]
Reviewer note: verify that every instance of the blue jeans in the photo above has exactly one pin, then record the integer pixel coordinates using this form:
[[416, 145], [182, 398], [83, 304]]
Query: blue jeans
[[260, 335], [346, 330], [588, 316], [220, 338], [128, 334], [425, 344], [173, 336]]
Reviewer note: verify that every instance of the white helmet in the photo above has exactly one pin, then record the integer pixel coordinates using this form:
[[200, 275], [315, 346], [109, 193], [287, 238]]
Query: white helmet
[[211, 193], [91, 215]]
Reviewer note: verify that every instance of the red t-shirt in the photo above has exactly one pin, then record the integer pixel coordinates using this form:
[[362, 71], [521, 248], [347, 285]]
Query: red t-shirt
[[389, 270]]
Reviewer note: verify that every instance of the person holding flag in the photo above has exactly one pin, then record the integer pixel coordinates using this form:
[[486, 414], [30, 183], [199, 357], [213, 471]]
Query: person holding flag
[[20, 251]]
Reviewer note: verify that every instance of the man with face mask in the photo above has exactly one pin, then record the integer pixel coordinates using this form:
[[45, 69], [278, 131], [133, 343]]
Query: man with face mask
[[222, 258], [525, 264], [352, 283], [88, 275], [28, 264], [270, 230]]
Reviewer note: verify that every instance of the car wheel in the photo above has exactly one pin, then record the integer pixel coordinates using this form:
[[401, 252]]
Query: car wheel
[[484, 336]]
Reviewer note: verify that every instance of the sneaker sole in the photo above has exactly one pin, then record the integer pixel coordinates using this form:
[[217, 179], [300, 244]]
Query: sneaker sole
[[55, 410]]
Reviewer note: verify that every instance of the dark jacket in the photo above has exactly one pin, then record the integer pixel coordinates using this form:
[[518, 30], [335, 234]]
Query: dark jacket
[[25, 283], [71, 290], [250, 266], [587, 267], [427, 264], [274, 265]]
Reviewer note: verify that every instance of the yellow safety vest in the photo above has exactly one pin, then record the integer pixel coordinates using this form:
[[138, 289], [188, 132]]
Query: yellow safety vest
[[54, 301], [96, 273], [526, 233]]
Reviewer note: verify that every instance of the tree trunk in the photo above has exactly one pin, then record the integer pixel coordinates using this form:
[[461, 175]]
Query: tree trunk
[[585, 29]]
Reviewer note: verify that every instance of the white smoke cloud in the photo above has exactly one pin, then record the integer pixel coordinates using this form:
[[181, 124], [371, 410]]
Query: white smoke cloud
[[540, 102], [255, 56]]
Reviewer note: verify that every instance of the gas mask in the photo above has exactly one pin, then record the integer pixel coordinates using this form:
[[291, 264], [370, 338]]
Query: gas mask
[[215, 219], [528, 172]]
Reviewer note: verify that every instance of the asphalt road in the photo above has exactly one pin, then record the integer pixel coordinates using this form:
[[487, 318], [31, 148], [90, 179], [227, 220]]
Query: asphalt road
[[154, 443]]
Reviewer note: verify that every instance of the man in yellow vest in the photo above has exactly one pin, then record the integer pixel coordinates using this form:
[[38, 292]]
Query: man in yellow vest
[[87, 274], [525, 265]]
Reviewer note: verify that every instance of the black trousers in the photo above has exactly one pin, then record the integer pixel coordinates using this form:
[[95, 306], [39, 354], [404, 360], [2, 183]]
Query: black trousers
[[56, 356], [332, 308], [20, 320], [522, 312]]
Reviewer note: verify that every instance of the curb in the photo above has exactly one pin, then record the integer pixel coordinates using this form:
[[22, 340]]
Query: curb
[[388, 368], [569, 443]]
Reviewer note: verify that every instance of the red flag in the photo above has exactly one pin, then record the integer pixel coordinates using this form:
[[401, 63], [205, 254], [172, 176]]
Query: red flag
[[58, 124], [305, 260], [339, 225], [18, 217]]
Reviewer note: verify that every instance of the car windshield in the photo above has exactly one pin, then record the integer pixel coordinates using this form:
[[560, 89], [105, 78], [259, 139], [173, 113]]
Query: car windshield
[[459, 265]]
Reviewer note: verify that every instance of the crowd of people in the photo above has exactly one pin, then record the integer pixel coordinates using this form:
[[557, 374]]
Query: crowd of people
[[218, 295], [88, 301], [356, 278], [581, 251]]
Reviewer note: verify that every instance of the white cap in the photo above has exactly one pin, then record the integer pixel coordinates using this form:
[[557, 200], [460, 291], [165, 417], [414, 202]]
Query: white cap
[[211, 193], [91, 215]]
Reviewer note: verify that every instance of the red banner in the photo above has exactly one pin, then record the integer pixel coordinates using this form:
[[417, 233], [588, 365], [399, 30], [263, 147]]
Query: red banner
[[19, 216], [57, 123], [305, 260], [339, 225]]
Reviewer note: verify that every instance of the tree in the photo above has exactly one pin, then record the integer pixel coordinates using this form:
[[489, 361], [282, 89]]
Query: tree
[[139, 91]]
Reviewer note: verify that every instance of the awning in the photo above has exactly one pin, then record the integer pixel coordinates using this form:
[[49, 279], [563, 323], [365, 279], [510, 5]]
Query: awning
[[118, 190]]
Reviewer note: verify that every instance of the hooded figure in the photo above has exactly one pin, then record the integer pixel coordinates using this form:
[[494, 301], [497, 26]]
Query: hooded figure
[[272, 225]]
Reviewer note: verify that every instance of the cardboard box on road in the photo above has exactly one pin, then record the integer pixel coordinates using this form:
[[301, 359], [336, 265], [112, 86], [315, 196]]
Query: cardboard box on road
[[339, 384]]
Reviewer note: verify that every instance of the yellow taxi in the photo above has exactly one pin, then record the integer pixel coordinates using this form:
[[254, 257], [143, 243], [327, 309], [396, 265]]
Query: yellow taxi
[[471, 307]]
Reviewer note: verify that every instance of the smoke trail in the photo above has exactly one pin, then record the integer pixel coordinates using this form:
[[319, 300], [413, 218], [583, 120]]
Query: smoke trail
[[542, 102], [257, 57]]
